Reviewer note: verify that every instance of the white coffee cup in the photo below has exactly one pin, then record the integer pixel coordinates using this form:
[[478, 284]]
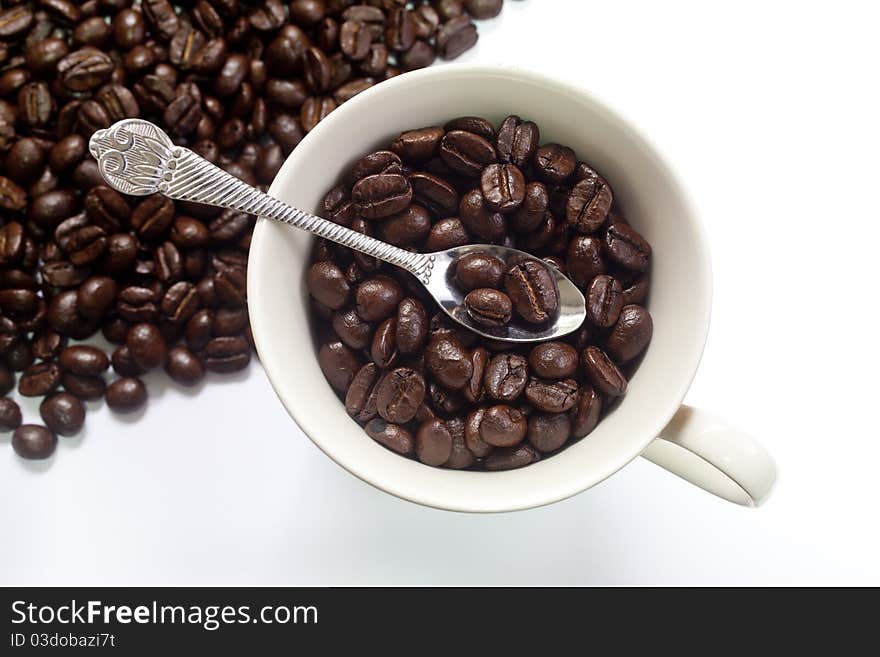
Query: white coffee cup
[[650, 421]]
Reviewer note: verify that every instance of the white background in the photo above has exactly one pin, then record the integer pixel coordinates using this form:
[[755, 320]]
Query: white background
[[769, 112]]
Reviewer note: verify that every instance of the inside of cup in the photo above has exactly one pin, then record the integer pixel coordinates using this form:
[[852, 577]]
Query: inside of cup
[[645, 191]]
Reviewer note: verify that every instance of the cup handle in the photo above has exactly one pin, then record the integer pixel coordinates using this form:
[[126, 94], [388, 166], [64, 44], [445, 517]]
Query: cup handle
[[710, 453]]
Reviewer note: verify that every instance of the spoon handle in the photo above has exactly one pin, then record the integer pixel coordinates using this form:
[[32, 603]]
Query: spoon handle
[[136, 157]]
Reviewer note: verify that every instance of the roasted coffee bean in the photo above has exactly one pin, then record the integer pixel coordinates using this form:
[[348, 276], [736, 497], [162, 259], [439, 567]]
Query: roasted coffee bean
[[446, 234], [148, 347], [416, 146], [180, 302], [434, 192], [118, 102], [18, 356], [229, 322], [153, 216], [479, 269], [443, 401], [553, 360], [7, 379], [473, 440], [411, 326], [466, 153], [87, 388], [184, 367], [122, 250], [475, 124], [626, 247], [376, 163], [381, 195], [637, 292], [83, 243], [25, 160], [532, 290], [433, 442], [503, 426], [604, 300], [351, 329], [517, 141], [488, 307], [548, 432], [552, 396], [588, 203], [360, 399], [107, 208], [64, 318], [227, 354], [509, 458], [39, 379], [126, 395], [602, 372], [400, 30], [585, 414], [161, 17], [448, 361], [399, 395], [33, 441], [392, 436], [503, 187], [47, 345], [63, 413], [129, 28], [584, 260], [10, 415], [631, 333], [355, 39], [12, 238], [479, 219], [484, 8], [84, 360], [85, 69], [15, 21], [377, 298], [473, 390], [339, 364], [12, 197], [506, 377], [408, 227], [230, 285], [95, 296], [63, 274], [169, 263], [189, 233], [94, 31], [123, 364], [554, 163], [35, 104], [455, 36], [460, 457], [384, 346]]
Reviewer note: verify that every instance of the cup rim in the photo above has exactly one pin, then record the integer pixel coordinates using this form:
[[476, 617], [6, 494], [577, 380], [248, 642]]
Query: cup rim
[[259, 318]]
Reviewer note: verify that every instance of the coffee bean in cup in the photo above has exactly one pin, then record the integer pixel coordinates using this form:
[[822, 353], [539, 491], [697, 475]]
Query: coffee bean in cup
[[429, 389]]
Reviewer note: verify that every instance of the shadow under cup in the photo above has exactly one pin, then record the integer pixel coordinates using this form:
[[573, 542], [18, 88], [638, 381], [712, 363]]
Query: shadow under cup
[[648, 195]]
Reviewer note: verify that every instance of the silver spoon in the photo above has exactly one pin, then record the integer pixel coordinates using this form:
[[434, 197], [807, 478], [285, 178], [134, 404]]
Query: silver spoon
[[136, 157]]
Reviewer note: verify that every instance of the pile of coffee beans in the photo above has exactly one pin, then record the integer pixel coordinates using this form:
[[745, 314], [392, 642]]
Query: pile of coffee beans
[[426, 387], [238, 81], [529, 286]]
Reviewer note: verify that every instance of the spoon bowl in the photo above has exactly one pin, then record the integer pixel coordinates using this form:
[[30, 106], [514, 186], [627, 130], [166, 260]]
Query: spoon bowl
[[441, 284]]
